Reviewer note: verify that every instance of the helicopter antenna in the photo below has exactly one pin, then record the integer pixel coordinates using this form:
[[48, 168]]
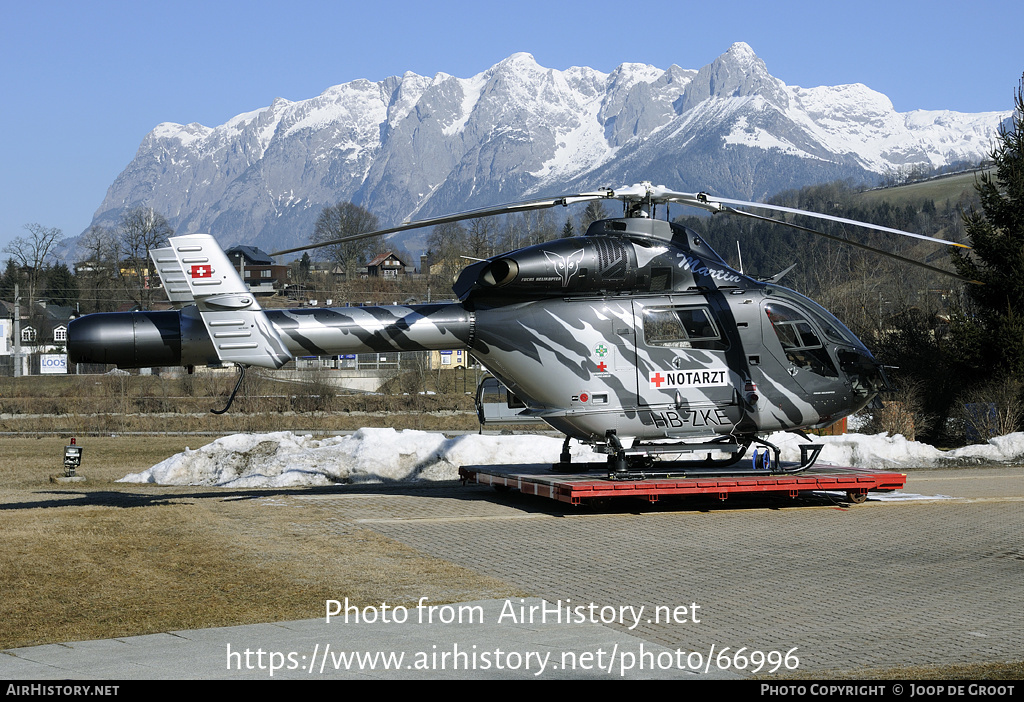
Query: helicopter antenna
[[740, 254], [778, 276]]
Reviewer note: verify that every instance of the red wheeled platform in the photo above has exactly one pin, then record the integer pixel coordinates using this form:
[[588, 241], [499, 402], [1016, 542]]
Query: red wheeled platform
[[578, 488]]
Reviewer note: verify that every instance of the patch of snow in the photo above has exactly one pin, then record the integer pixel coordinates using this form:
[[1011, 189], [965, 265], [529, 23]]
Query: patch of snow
[[186, 134], [742, 134], [471, 89], [881, 451], [284, 459]]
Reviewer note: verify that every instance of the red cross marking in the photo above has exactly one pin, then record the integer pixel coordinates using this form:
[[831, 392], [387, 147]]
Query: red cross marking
[[602, 367], [203, 271], [657, 380]]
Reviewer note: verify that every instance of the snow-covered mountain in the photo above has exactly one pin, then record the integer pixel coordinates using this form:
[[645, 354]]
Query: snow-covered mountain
[[413, 147]]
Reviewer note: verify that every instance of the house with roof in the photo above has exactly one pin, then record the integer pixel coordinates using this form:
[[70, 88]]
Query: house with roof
[[42, 332], [385, 265], [258, 270], [6, 328]]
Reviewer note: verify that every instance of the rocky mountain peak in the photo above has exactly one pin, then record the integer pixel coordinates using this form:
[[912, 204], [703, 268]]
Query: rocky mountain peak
[[410, 145], [735, 74]]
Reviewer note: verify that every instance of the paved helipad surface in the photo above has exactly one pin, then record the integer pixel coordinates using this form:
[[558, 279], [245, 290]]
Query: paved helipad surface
[[917, 582]]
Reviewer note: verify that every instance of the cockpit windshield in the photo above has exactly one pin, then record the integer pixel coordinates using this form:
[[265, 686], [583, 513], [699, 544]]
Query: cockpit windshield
[[799, 341], [826, 321]]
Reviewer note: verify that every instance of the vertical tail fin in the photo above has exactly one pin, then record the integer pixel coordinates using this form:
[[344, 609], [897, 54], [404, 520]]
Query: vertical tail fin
[[201, 272], [172, 277]]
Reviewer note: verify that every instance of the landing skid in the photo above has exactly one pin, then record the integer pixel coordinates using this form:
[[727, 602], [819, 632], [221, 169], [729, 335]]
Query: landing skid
[[638, 462], [684, 469]]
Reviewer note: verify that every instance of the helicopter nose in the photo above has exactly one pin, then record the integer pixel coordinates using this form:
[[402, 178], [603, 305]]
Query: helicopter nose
[[865, 373]]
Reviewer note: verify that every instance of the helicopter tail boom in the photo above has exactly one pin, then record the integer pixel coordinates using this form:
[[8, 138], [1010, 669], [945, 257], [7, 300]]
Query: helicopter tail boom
[[183, 338], [220, 321]]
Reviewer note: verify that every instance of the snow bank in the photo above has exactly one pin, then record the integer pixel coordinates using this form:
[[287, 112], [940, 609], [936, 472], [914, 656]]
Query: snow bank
[[369, 455], [284, 459], [880, 451]]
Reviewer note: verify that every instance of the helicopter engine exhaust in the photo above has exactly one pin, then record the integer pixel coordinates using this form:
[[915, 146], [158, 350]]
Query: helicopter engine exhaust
[[576, 265], [500, 272]]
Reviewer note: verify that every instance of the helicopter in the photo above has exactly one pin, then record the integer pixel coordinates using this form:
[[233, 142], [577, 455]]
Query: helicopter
[[636, 338]]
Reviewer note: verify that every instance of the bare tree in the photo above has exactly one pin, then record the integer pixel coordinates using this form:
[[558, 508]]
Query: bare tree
[[142, 229], [513, 232], [339, 221], [481, 238], [538, 227], [98, 269], [445, 246], [32, 251], [993, 409]]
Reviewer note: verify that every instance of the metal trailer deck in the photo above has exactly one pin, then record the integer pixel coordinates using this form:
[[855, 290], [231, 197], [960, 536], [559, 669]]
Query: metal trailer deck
[[581, 488]]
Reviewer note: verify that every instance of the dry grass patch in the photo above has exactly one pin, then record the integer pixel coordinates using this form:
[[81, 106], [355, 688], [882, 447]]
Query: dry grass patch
[[111, 559], [28, 462]]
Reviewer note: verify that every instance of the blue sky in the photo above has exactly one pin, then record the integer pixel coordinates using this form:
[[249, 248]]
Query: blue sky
[[81, 83]]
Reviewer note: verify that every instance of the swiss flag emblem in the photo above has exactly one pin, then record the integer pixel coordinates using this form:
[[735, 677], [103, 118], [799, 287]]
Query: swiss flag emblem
[[203, 271]]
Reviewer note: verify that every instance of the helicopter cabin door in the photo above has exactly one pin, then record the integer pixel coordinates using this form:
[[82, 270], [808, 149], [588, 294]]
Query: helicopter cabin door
[[683, 380]]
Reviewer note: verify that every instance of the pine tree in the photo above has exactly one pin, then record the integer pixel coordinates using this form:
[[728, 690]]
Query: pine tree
[[61, 286], [10, 277], [996, 260], [594, 212]]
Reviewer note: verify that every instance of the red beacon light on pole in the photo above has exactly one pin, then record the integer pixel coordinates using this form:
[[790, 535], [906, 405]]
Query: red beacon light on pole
[[72, 458]]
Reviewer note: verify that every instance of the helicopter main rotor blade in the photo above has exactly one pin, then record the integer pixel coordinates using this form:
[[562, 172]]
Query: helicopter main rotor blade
[[865, 247], [563, 200], [660, 194], [853, 222]]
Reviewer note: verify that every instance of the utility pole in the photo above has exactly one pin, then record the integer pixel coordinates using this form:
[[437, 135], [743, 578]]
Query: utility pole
[[17, 332]]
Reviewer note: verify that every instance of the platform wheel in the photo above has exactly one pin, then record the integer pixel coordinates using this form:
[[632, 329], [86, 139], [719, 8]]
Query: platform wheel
[[761, 460], [856, 497]]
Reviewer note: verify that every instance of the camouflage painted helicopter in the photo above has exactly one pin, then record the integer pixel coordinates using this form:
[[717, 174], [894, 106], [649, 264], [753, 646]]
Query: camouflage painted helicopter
[[636, 338]]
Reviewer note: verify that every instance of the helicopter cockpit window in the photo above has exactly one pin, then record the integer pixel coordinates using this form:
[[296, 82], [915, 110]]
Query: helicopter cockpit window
[[800, 342], [833, 328], [682, 327]]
